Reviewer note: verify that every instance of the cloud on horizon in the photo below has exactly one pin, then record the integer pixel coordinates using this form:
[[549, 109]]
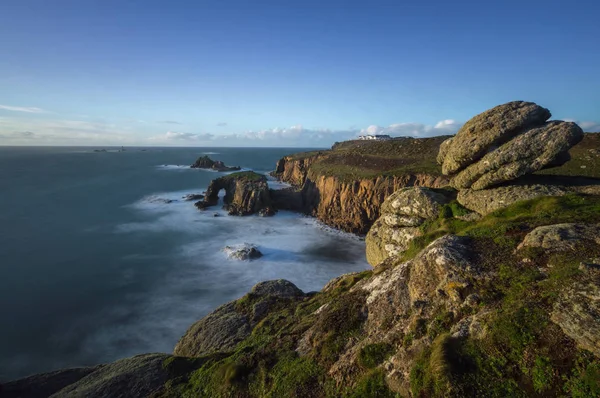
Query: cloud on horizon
[[27, 109]]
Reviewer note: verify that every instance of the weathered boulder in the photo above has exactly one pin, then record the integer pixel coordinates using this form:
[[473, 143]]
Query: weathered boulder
[[44, 384], [414, 202], [561, 237], [245, 251], [442, 271], [224, 328], [276, 288], [577, 310], [204, 162], [488, 130], [444, 148], [245, 193], [524, 154], [488, 200], [139, 376], [401, 215]]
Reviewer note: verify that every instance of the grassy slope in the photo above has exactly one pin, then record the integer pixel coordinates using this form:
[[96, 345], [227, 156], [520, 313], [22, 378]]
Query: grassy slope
[[351, 160], [523, 353]]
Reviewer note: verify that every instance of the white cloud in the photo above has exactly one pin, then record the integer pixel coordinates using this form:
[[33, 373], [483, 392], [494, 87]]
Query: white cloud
[[442, 127], [18, 135], [591, 127], [171, 136], [28, 109]]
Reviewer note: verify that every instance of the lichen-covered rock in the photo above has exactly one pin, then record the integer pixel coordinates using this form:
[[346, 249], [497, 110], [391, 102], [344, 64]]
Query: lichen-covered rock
[[414, 202], [490, 129], [444, 147], [488, 200], [561, 237], [224, 328], [577, 311], [442, 269], [524, 154], [221, 330], [44, 385], [401, 214], [277, 288], [384, 241], [135, 377]]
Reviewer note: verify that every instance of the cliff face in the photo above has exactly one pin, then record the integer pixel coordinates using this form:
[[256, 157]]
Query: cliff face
[[350, 205]]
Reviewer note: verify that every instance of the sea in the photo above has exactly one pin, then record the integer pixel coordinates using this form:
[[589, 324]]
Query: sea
[[101, 258]]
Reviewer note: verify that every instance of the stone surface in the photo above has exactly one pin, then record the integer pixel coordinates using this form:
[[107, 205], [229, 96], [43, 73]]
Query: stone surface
[[44, 385], [221, 330], [562, 237], [577, 311], [246, 193], [245, 251], [525, 154], [193, 196], [401, 214], [490, 129], [488, 200], [134, 377], [444, 147], [276, 288]]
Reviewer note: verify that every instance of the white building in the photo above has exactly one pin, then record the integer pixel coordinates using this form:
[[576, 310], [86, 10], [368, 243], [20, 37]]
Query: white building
[[380, 137]]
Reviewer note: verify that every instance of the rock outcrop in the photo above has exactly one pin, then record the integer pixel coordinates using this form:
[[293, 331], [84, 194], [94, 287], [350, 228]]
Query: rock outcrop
[[525, 154], [488, 130], [577, 311], [242, 252], [401, 215], [561, 237], [245, 193], [205, 162], [224, 328], [488, 200], [140, 376]]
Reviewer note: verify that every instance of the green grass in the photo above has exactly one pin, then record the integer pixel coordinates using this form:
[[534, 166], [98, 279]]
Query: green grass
[[373, 355], [245, 175]]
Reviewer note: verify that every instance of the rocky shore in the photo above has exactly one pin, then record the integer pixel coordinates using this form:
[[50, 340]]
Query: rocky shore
[[485, 280]]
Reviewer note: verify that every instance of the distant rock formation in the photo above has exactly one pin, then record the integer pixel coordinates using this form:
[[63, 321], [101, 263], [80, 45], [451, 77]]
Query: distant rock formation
[[245, 193], [205, 162]]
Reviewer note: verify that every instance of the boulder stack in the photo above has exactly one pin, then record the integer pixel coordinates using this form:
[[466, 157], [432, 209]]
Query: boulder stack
[[503, 144]]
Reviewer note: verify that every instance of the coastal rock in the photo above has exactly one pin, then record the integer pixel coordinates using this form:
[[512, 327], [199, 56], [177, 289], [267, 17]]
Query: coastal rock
[[562, 237], [138, 376], [245, 193], [488, 200], [224, 328], [444, 148], [193, 196], [44, 384], [245, 251], [401, 214], [490, 129], [525, 154], [206, 162], [276, 288], [442, 271], [577, 311], [221, 330]]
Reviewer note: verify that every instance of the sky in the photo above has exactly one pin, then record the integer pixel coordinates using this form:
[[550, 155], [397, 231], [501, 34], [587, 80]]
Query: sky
[[285, 73]]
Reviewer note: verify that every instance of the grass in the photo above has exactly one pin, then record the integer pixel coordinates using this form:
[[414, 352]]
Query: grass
[[372, 355], [245, 175]]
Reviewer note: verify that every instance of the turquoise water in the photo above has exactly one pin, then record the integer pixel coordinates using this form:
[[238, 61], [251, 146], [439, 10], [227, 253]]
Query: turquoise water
[[95, 265]]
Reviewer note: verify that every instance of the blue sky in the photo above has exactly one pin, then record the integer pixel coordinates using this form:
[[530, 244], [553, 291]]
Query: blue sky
[[285, 73]]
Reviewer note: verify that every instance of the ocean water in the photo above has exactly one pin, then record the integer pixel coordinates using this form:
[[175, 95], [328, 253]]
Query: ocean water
[[95, 265]]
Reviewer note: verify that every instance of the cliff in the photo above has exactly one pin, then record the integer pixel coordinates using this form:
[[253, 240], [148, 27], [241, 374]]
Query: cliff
[[345, 187], [504, 306]]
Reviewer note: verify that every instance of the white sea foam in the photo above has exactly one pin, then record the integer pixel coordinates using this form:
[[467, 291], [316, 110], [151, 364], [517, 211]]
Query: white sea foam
[[200, 277]]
